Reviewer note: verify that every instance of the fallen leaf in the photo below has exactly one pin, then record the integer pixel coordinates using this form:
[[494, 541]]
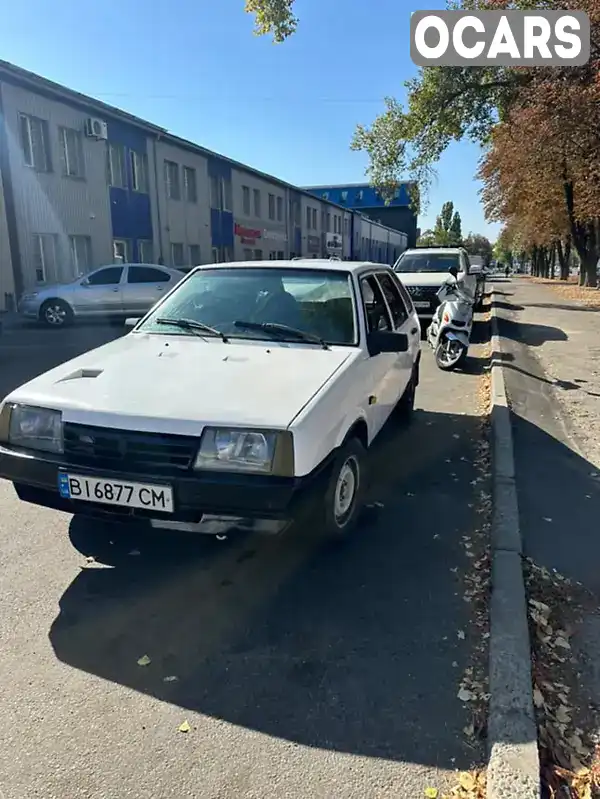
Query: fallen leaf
[[469, 730], [563, 714], [170, 678], [90, 559], [546, 519], [134, 553], [538, 698], [431, 793], [465, 696], [144, 661], [460, 634], [185, 727], [562, 643], [467, 781]]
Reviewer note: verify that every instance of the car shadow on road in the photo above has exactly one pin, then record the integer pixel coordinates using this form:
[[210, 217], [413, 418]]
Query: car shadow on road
[[351, 648]]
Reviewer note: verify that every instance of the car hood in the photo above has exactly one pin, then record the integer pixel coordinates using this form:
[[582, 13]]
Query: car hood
[[178, 384], [422, 278]]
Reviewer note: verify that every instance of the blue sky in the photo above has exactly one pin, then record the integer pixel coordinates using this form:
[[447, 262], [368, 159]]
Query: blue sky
[[194, 67]]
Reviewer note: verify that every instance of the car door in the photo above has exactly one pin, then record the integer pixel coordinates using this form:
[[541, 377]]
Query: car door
[[99, 293], [143, 287], [382, 382], [402, 323]]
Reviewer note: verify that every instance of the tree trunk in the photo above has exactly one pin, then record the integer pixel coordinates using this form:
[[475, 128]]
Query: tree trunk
[[585, 240], [552, 261], [564, 255]]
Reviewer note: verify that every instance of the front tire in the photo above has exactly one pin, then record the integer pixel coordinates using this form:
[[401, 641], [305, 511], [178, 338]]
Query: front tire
[[345, 491], [56, 313], [449, 355], [406, 403]]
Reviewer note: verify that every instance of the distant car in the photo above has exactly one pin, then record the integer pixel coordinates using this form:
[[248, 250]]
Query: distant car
[[424, 269], [248, 395], [115, 290]]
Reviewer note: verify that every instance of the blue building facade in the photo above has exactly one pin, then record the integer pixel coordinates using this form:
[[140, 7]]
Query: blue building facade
[[398, 213]]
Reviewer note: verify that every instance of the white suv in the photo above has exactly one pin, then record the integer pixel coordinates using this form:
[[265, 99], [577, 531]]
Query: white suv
[[247, 396], [424, 269]]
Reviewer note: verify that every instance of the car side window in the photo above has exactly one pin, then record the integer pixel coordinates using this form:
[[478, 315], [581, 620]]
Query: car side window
[[376, 312], [407, 299], [145, 274], [394, 299], [106, 277]]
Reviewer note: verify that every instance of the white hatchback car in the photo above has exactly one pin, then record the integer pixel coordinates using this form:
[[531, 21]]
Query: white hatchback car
[[252, 390]]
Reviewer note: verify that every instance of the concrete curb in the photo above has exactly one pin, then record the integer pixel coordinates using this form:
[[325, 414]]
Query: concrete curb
[[513, 767]]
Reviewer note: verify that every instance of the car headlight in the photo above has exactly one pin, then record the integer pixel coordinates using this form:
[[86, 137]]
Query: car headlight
[[34, 428], [244, 450]]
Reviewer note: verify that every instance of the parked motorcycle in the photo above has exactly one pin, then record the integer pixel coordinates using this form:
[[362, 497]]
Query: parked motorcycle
[[450, 331]]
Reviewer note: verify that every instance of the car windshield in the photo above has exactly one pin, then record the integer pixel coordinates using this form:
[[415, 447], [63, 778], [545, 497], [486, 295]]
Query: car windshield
[[427, 262], [315, 305]]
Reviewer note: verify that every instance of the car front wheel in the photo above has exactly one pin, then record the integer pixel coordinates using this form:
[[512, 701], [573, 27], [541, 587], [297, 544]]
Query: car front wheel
[[56, 313], [345, 490]]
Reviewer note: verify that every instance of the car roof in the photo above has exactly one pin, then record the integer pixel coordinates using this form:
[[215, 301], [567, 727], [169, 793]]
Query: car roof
[[150, 266], [325, 264], [434, 250]]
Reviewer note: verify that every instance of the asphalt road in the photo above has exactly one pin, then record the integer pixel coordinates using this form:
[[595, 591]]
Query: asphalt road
[[302, 669]]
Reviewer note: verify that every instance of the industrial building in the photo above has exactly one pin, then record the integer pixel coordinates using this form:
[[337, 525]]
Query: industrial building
[[397, 212], [84, 184]]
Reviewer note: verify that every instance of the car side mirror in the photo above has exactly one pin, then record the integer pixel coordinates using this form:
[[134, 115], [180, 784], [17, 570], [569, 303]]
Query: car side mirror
[[131, 322], [386, 341]]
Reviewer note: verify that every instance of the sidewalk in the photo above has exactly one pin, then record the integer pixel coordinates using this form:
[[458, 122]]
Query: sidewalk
[[551, 351]]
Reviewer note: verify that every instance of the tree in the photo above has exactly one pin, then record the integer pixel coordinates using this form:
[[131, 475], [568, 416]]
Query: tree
[[448, 104], [274, 17], [447, 231], [476, 244]]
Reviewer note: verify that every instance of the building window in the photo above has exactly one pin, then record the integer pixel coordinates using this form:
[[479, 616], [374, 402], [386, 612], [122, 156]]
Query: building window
[[346, 226], [44, 256], [247, 255], [81, 254], [314, 218], [325, 195], [145, 251], [246, 200], [177, 257], [121, 251], [172, 180], [227, 200], [194, 254], [215, 194], [344, 196], [139, 171], [189, 184], [35, 142], [258, 255], [280, 255], [215, 255], [328, 228], [280, 209], [297, 213], [272, 255], [271, 206], [72, 152], [257, 204], [359, 195], [116, 166], [308, 219]]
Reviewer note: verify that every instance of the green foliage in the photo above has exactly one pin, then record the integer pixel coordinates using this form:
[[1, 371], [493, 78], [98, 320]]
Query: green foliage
[[476, 244], [274, 17], [448, 228]]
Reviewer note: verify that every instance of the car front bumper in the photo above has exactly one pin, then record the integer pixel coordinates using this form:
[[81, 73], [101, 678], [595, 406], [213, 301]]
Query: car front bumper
[[30, 309], [199, 497]]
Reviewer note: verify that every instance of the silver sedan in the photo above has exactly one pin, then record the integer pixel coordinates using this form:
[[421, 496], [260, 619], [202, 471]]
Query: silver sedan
[[118, 290]]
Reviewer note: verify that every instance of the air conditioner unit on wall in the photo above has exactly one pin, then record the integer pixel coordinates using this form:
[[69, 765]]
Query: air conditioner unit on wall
[[96, 128]]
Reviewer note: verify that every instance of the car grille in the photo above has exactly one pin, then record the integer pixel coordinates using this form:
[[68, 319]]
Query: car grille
[[423, 292], [127, 450]]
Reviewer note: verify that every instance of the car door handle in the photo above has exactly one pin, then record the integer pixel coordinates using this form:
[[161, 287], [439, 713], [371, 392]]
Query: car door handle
[[116, 289]]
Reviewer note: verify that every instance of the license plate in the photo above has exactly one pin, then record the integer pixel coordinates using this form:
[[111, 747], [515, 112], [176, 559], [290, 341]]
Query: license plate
[[115, 492], [421, 304]]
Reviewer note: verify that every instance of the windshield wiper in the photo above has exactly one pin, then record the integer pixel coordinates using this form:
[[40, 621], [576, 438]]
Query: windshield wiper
[[191, 324], [282, 330]]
